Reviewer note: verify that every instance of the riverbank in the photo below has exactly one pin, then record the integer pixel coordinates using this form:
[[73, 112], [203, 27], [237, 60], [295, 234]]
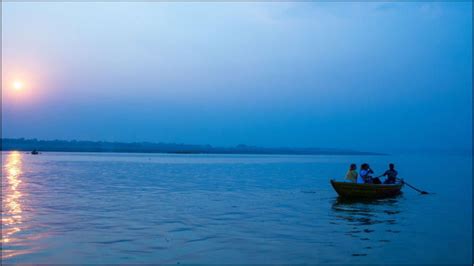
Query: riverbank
[[21, 144]]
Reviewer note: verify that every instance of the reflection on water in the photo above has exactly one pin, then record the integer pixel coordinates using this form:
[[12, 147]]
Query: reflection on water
[[365, 219], [12, 218], [366, 212]]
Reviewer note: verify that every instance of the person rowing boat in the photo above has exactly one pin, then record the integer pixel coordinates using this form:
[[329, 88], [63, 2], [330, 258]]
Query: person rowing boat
[[391, 174]]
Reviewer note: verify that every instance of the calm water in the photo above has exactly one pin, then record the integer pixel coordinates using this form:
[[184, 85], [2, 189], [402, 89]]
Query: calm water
[[140, 208]]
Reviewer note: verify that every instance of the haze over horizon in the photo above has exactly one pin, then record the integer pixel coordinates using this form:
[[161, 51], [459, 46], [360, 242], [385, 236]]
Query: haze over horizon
[[363, 76]]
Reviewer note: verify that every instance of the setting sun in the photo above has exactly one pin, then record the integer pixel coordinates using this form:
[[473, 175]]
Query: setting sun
[[18, 85], [20, 88]]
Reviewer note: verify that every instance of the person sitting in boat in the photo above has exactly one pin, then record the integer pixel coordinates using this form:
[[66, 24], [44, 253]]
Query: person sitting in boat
[[364, 174], [352, 173], [391, 174], [365, 177]]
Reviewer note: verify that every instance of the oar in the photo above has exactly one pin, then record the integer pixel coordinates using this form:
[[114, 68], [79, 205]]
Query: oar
[[419, 190]]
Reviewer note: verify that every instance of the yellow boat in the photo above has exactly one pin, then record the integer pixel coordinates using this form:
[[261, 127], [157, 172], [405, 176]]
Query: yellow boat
[[366, 191]]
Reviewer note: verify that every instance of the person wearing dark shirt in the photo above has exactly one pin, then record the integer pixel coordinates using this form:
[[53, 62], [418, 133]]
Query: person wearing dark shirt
[[391, 174]]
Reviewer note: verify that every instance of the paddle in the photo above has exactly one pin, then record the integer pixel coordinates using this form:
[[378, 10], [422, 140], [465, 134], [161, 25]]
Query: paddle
[[419, 190]]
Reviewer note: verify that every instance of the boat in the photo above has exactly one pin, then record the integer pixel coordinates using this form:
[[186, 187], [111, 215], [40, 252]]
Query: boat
[[366, 191], [35, 152]]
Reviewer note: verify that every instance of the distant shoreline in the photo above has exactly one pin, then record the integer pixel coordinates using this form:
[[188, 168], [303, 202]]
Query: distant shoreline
[[22, 144]]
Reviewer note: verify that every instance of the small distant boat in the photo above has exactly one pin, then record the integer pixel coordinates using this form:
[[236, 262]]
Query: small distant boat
[[34, 152], [366, 191]]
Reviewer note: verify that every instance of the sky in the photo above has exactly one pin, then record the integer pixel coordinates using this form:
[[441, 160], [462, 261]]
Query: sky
[[371, 76]]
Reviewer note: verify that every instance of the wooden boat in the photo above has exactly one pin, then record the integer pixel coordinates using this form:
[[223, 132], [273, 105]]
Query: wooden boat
[[366, 191]]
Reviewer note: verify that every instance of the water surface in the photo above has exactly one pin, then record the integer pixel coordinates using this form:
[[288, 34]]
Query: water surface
[[155, 208]]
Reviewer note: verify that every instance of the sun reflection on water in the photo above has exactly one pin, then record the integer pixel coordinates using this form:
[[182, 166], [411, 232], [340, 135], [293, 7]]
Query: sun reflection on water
[[12, 218]]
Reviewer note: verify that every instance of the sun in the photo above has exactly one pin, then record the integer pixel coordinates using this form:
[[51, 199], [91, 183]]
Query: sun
[[18, 85]]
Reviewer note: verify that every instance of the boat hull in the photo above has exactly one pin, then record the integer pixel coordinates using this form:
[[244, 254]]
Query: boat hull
[[366, 191]]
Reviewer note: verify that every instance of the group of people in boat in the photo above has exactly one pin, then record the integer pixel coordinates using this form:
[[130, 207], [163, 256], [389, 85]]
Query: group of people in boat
[[364, 176]]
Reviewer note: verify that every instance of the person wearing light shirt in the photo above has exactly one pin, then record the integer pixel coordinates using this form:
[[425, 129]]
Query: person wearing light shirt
[[364, 174], [352, 173]]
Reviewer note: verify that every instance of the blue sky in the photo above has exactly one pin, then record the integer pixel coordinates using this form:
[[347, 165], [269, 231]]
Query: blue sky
[[367, 76]]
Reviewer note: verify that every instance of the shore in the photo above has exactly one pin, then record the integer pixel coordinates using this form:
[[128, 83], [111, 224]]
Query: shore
[[22, 144]]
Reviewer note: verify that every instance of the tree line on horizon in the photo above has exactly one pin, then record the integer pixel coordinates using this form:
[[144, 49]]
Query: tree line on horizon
[[22, 144]]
